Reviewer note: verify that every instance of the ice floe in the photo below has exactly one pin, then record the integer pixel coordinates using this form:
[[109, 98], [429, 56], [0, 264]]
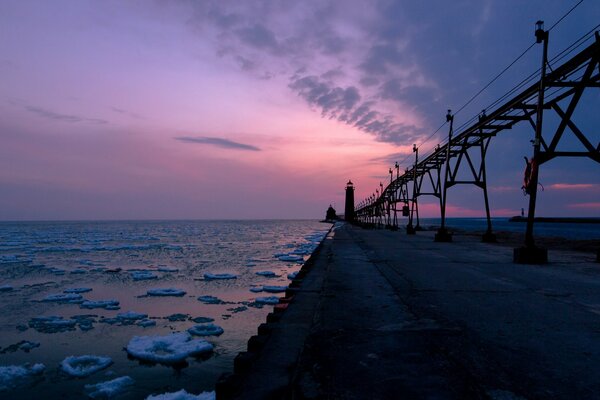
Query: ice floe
[[182, 395], [6, 288], [291, 258], [110, 304], [78, 271], [146, 323], [267, 300], [177, 317], [268, 274], [219, 276], [274, 289], [24, 345], [165, 292], [77, 290], [86, 365], [109, 389], [292, 275], [206, 330], [202, 320], [52, 324], [143, 275], [169, 349], [210, 300], [12, 376], [256, 289], [63, 298], [131, 316]]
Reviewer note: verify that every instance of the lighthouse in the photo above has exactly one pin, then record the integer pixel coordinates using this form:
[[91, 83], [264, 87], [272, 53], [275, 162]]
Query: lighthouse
[[349, 210]]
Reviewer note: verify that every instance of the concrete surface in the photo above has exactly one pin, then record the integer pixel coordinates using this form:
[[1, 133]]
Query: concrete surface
[[383, 315]]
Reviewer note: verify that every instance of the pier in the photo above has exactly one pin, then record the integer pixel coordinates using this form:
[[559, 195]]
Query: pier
[[383, 315]]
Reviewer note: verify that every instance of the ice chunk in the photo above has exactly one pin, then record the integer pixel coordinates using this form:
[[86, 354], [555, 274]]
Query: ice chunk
[[267, 300], [143, 275], [78, 271], [269, 274], [274, 289], [202, 320], [177, 317], [12, 376], [210, 300], [52, 324], [131, 316], [145, 323], [165, 292], [77, 290], [206, 330], [24, 345], [106, 304], [256, 289], [169, 349], [292, 275], [291, 258], [82, 366], [183, 395], [219, 276], [108, 389], [6, 288], [250, 264], [62, 297]]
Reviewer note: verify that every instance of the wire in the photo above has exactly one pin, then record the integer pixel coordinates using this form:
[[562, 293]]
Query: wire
[[564, 16]]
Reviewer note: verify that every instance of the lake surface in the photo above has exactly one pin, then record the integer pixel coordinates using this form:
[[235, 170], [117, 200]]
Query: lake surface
[[121, 261]]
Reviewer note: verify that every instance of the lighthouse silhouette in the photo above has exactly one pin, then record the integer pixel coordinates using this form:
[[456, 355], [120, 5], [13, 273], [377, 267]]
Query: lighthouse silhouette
[[349, 209]]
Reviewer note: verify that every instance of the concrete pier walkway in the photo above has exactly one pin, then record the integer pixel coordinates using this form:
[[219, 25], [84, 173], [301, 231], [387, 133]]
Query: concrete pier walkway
[[383, 315]]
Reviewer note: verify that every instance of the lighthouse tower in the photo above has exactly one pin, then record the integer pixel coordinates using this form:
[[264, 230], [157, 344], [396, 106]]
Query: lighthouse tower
[[349, 210]]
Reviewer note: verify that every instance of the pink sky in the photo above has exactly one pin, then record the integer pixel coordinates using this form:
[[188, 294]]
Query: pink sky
[[112, 110]]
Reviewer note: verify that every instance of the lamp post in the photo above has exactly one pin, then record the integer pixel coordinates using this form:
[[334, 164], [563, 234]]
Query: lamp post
[[530, 254]]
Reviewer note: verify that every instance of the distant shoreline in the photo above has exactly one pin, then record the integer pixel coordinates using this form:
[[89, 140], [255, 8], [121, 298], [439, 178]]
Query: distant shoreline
[[569, 220]]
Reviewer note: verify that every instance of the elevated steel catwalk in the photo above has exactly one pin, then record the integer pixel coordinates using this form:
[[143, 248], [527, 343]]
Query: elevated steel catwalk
[[562, 90]]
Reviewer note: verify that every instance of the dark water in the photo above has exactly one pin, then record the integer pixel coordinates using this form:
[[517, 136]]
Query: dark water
[[576, 231], [41, 259]]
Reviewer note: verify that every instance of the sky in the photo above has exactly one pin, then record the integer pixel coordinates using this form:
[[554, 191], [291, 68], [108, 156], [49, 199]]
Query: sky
[[264, 109]]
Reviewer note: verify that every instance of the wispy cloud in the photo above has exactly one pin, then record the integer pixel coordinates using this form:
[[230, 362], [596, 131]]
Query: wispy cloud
[[125, 112], [42, 112], [218, 142], [587, 206], [574, 186]]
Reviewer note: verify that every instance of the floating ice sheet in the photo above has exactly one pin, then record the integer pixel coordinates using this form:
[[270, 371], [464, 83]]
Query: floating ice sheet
[[110, 304], [166, 292], [143, 275], [291, 258], [182, 395], [52, 324], [109, 389], [169, 349], [6, 288], [12, 376], [145, 323], [274, 289], [206, 330], [131, 316], [256, 289], [210, 300], [267, 300], [86, 365], [219, 276], [269, 274]]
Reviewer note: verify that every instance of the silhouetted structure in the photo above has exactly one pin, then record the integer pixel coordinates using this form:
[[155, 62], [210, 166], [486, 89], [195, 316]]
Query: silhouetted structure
[[331, 215], [349, 210]]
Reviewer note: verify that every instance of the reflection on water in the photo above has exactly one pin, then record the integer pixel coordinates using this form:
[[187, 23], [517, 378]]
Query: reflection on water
[[123, 260]]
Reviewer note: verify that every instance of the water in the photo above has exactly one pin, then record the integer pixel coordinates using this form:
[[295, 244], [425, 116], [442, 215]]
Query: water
[[38, 259], [575, 231]]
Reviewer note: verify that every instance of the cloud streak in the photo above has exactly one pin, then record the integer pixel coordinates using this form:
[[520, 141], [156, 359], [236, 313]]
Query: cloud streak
[[63, 117], [218, 142]]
